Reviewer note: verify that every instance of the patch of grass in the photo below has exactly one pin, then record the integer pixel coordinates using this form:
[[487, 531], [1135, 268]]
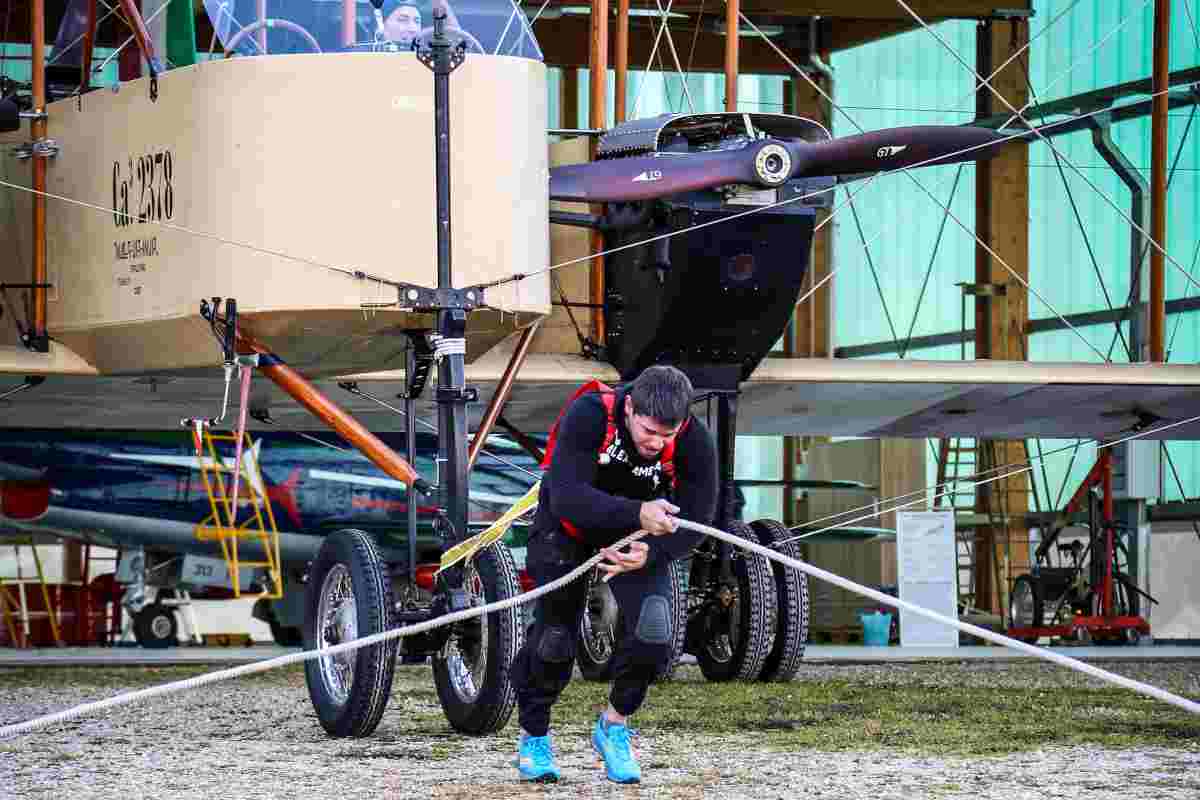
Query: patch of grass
[[829, 714], [837, 715]]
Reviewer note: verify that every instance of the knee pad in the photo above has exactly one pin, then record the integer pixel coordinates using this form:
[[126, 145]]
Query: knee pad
[[557, 645], [654, 621]]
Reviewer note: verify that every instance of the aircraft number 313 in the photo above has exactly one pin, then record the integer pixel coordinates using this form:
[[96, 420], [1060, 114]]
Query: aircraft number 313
[[142, 189]]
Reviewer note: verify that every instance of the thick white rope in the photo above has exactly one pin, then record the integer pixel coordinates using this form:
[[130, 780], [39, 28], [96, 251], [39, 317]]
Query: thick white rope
[[966, 627], [38, 723]]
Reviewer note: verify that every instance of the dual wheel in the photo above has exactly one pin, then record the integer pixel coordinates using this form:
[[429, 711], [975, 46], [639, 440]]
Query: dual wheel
[[756, 628], [753, 629], [349, 596]]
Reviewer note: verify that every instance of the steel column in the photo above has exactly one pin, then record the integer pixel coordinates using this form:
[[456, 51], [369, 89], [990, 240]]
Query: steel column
[[452, 323], [38, 339], [1138, 211]]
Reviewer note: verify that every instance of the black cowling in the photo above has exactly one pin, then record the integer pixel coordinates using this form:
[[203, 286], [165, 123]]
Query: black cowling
[[715, 300]]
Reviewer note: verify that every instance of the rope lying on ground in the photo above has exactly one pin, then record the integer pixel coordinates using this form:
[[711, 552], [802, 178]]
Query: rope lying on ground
[[974, 630], [38, 723]]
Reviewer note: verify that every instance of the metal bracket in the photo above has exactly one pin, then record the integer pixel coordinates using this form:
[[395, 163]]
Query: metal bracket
[[1012, 13], [451, 394], [418, 298], [42, 148]]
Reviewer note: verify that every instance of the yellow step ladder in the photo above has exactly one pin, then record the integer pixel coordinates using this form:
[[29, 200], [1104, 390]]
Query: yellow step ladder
[[222, 525]]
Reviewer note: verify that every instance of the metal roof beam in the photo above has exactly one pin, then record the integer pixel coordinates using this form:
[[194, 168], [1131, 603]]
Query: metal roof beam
[[1097, 98]]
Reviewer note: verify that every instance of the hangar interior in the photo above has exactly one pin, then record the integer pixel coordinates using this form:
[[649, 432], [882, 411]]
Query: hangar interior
[[897, 275], [907, 282]]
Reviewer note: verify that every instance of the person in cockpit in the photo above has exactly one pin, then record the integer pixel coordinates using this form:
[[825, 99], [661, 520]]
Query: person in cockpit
[[401, 22]]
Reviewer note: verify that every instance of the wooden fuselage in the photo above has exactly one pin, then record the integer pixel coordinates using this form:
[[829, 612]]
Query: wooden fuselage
[[276, 166]]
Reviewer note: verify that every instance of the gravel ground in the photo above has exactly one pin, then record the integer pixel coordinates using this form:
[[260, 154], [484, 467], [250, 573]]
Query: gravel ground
[[257, 738]]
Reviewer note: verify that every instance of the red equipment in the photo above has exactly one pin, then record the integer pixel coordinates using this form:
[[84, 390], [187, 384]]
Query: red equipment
[[1091, 597]]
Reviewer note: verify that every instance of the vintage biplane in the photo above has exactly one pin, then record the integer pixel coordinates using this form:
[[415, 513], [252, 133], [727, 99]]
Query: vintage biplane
[[333, 207]]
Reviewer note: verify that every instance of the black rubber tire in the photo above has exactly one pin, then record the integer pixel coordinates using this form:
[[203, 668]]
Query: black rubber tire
[[155, 627], [756, 617], [679, 585], [595, 664], [496, 698], [371, 682], [597, 669], [286, 635], [791, 594], [1027, 583]]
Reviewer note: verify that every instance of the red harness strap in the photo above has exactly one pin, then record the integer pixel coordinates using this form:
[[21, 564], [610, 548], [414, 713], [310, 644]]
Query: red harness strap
[[608, 396]]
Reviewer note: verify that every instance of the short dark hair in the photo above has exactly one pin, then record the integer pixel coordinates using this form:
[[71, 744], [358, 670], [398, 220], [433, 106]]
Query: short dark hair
[[662, 392], [391, 6]]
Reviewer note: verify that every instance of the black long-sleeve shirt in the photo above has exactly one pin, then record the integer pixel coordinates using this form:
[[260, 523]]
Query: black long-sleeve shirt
[[571, 491]]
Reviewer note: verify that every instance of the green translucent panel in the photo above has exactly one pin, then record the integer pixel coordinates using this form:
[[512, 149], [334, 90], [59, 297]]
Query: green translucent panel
[[904, 80], [18, 70]]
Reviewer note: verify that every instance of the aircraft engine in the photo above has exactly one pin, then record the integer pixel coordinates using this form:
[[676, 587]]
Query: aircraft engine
[[715, 300], [24, 500]]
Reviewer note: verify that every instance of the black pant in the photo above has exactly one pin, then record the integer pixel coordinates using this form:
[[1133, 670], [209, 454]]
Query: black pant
[[544, 665]]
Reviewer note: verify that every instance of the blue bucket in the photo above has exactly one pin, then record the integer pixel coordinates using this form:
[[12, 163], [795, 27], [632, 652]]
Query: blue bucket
[[876, 628]]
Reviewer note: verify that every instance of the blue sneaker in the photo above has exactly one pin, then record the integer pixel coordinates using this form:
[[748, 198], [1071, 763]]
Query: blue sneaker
[[612, 743], [535, 759]]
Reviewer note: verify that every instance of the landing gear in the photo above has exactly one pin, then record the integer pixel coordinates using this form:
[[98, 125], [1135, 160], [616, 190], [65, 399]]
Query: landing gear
[[472, 668], [731, 623], [155, 627], [791, 593], [349, 596]]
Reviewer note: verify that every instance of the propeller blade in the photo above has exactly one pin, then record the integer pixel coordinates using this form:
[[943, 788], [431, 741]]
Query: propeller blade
[[893, 148], [647, 177]]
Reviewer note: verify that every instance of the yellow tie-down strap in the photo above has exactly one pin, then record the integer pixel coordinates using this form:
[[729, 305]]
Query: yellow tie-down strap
[[464, 550]]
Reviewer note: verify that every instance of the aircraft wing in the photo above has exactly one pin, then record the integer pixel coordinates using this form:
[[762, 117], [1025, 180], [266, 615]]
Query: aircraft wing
[[911, 399], [818, 397]]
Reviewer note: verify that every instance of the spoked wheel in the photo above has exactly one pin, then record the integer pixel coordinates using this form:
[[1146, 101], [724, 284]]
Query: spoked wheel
[[1025, 605], [473, 669], [601, 627], [791, 591], [349, 596], [737, 623]]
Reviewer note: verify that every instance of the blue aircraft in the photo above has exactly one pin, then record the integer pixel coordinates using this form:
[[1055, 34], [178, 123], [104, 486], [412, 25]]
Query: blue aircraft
[[143, 493]]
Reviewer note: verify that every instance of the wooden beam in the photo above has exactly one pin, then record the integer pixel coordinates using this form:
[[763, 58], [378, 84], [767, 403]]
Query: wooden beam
[[621, 65], [1001, 306], [812, 323], [598, 118], [732, 23], [1158, 177]]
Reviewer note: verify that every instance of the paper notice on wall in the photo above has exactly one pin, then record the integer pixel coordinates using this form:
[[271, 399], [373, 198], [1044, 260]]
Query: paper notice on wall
[[925, 551]]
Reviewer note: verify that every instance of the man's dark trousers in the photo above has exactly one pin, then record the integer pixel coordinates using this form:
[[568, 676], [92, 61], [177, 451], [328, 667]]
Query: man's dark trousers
[[543, 666]]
